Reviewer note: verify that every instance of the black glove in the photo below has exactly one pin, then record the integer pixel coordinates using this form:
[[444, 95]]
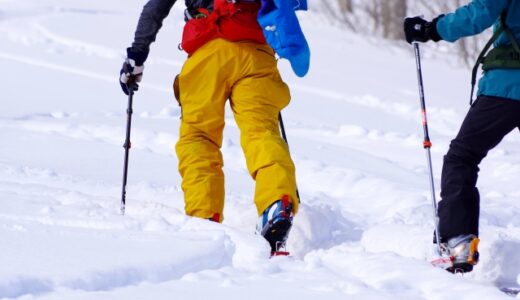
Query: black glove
[[132, 70], [417, 29]]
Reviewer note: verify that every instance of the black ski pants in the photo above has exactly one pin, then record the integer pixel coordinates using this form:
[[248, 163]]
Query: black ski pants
[[485, 125]]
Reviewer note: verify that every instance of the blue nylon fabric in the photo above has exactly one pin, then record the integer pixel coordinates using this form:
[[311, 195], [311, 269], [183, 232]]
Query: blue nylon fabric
[[476, 17], [283, 32]]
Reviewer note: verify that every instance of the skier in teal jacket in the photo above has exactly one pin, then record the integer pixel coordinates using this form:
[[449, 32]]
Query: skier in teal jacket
[[495, 113]]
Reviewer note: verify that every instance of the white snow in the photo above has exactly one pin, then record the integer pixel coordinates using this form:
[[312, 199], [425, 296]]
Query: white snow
[[365, 226]]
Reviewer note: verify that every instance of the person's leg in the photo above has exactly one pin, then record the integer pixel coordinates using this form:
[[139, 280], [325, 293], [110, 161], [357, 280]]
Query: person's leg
[[256, 100], [203, 91], [485, 125]]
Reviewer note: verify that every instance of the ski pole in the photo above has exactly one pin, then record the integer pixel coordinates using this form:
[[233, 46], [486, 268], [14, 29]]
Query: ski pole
[[427, 144], [131, 88], [284, 136]]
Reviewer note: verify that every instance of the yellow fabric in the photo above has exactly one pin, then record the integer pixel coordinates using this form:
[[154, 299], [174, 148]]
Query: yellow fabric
[[247, 74]]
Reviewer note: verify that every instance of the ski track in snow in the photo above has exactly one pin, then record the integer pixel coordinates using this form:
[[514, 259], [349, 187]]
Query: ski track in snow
[[363, 231], [100, 278]]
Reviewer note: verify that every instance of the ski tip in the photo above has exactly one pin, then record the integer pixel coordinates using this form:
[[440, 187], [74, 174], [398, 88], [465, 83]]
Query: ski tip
[[280, 253], [443, 262]]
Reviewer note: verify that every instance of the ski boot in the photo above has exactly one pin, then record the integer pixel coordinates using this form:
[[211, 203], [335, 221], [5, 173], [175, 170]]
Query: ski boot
[[463, 253], [275, 223]]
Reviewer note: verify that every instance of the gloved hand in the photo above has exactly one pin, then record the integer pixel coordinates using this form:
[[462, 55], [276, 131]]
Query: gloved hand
[[132, 70], [417, 29]]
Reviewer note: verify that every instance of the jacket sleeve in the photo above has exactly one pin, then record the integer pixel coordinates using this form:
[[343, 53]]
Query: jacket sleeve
[[150, 21], [470, 19]]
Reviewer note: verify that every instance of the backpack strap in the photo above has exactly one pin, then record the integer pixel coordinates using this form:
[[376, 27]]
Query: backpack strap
[[485, 50], [503, 28], [509, 33]]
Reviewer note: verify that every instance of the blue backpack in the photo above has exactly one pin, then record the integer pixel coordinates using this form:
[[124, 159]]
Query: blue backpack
[[283, 32]]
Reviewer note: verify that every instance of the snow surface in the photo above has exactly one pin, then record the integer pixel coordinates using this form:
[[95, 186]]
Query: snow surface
[[365, 226]]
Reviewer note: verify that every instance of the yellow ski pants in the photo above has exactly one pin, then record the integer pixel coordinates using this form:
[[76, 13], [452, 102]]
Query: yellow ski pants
[[245, 73]]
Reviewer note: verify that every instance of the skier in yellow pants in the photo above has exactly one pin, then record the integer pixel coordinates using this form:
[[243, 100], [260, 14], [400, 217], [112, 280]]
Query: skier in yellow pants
[[245, 73], [228, 59]]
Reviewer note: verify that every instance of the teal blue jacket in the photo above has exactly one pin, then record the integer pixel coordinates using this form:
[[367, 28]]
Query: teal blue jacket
[[476, 17]]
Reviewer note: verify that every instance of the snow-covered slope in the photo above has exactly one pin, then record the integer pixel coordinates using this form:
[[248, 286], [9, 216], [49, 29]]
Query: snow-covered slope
[[365, 226]]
